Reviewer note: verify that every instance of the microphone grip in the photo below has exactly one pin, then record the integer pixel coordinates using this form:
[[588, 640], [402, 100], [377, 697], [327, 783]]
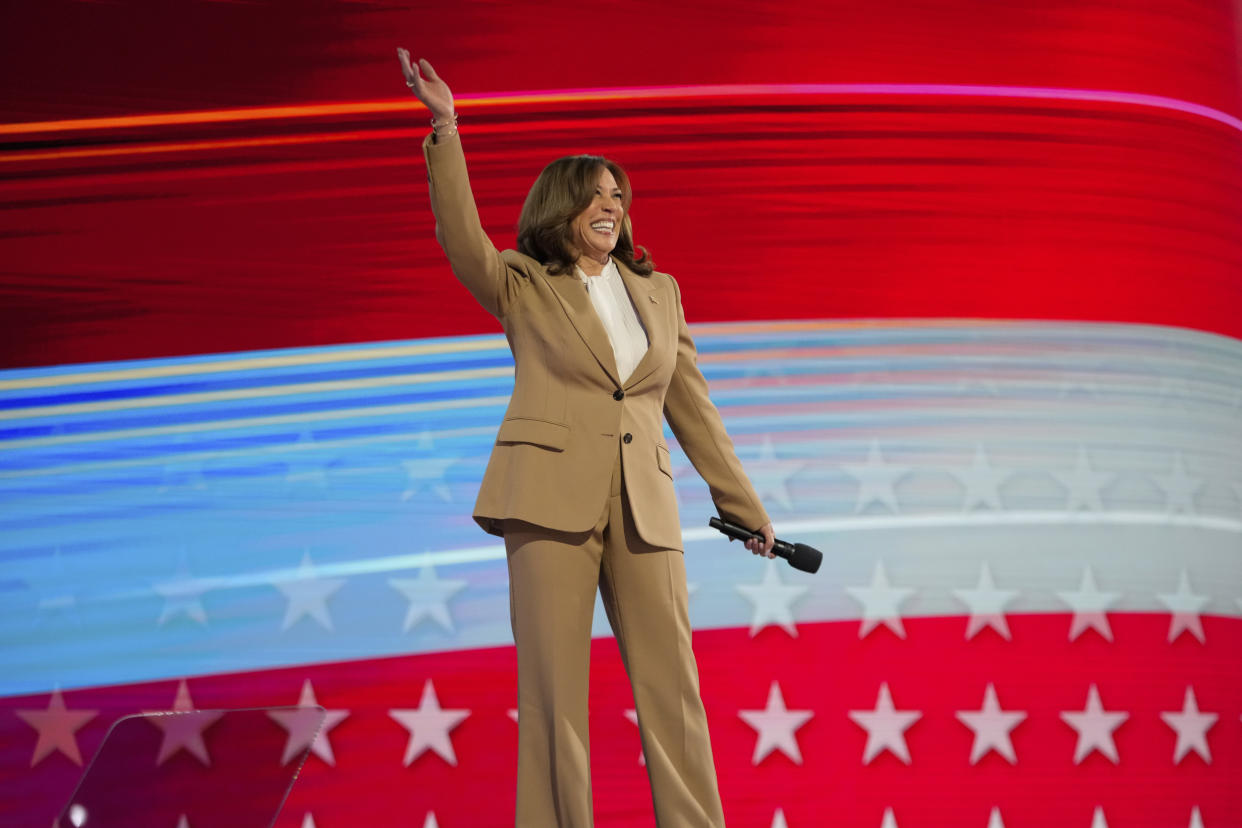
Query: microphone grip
[[799, 555], [733, 530], [780, 547]]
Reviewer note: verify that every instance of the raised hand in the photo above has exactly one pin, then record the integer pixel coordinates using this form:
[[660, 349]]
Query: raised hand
[[431, 90]]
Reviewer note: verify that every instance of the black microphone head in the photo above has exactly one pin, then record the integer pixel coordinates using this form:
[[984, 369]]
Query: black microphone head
[[806, 558]]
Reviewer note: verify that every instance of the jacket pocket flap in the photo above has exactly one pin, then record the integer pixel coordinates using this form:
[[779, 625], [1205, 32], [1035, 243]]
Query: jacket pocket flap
[[536, 432], [663, 460]]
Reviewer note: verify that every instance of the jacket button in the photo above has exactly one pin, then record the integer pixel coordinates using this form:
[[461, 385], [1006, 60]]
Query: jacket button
[[627, 438], [618, 394]]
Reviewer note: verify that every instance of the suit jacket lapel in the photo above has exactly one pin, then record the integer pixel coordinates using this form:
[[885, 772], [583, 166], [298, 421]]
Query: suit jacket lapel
[[577, 305], [646, 296]]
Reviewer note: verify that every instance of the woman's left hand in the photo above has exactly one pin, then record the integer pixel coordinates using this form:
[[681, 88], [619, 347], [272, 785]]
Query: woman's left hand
[[764, 547], [431, 90]]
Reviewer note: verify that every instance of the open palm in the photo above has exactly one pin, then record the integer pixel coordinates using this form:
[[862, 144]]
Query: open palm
[[431, 90]]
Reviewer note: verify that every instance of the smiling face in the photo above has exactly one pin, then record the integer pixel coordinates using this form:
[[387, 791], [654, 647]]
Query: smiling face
[[594, 231], [578, 213]]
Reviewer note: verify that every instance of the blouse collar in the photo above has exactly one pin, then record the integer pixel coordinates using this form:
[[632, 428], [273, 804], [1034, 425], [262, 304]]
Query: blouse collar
[[607, 274]]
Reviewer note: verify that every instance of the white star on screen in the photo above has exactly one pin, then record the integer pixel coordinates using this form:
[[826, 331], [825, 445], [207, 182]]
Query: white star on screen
[[427, 472], [889, 820], [981, 481], [1089, 605], [632, 715], [772, 601], [775, 725], [308, 595], [1179, 487], [308, 725], [994, 819], [987, 605], [1095, 728], [991, 727], [770, 476], [1097, 818], [1185, 606], [778, 819], [881, 603], [57, 727], [429, 727], [1191, 726], [885, 726], [182, 596], [1083, 485], [1196, 819], [430, 821], [183, 727], [875, 479], [308, 821], [428, 597], [183, 822]]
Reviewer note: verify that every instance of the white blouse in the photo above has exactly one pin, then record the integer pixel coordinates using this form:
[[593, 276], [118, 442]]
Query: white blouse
[[615, 309]]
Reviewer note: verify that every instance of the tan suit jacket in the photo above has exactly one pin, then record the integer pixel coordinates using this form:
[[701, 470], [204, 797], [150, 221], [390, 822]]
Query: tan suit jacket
[[569, 414]]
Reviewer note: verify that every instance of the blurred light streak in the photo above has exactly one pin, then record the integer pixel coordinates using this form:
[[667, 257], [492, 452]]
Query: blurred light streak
[[484, 101]]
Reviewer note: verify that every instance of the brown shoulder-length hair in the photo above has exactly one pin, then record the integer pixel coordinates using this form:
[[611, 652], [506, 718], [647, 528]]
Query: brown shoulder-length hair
[[561, 192]]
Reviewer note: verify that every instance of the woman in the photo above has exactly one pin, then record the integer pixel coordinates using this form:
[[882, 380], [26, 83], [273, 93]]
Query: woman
[[579, 483]]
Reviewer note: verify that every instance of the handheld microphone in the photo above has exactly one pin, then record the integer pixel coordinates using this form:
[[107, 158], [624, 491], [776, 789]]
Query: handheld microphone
[[800, 556]]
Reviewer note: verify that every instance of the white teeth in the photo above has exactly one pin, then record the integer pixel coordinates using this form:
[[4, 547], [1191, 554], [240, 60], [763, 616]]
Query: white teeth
[[603, 226]]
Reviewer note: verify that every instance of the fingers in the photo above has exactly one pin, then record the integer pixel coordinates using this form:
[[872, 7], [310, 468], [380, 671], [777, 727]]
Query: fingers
[[411, 73], [763, 546], [759, 547], [404, 57], [425, 65], [412, 78]]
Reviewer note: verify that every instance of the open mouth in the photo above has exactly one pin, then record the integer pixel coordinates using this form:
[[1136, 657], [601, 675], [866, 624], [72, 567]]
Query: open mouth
[[605, 227]]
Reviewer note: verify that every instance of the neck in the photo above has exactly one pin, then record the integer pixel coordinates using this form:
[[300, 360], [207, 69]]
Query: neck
[[592, 267]]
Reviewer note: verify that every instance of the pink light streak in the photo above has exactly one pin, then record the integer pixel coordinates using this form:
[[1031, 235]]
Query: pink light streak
[[667, 93]]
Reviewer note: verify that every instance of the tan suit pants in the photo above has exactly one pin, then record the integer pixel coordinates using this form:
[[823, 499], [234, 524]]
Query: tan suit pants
[[553, 577]]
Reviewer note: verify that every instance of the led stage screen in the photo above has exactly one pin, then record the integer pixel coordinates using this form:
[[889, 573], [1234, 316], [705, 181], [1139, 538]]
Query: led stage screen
[[965, 281]]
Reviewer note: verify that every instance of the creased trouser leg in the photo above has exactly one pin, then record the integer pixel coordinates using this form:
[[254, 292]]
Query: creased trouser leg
[[552, 584], [553, 577], [644, 592]]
